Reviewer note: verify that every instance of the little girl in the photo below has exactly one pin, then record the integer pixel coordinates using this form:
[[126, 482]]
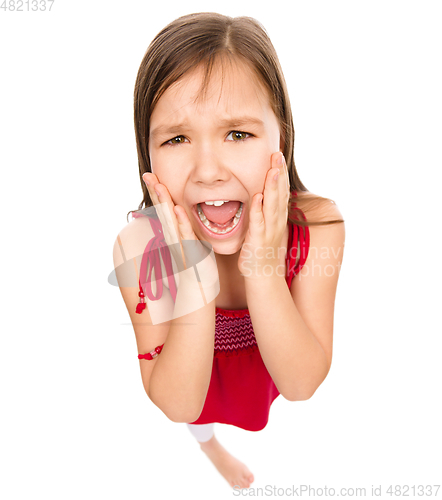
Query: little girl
[[215, 143]]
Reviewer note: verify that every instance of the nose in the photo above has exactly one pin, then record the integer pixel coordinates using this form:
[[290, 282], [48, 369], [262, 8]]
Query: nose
[[208, 166]]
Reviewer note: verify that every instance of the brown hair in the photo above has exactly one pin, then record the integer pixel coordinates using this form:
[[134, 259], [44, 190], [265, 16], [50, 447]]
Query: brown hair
[[203, 39]]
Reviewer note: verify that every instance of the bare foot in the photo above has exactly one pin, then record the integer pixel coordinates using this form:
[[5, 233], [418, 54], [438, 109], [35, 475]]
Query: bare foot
[[234, 472]]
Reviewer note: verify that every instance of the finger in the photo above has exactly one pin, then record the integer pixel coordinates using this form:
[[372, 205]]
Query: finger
[[283, 193], [257, 225], [286, 174], [272, 197], [184, 226], [166, 213], [151, 179], [170, 226], [284, 188], [177, 221], [163, 206], [197, 254]]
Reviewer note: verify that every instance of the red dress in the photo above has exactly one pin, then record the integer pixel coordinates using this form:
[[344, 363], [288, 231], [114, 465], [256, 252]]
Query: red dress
[[241, 389]]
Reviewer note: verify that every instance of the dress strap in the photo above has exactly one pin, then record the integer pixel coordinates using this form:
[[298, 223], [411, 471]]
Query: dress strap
[[151, 254], [301, 234]]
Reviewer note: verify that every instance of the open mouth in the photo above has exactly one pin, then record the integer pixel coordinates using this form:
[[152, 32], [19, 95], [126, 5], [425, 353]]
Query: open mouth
[[220, 220]]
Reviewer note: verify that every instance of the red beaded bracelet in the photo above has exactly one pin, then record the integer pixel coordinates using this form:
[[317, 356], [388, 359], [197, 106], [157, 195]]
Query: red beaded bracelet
[[152, 354]]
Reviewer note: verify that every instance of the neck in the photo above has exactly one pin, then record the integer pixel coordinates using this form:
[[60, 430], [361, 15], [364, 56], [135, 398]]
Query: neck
[[229, 261]]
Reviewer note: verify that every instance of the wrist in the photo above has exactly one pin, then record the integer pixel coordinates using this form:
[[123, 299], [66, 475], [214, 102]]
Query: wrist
[[190, 289], [264, 272]]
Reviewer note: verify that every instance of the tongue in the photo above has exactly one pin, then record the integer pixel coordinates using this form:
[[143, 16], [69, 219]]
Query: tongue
[[221, 214]]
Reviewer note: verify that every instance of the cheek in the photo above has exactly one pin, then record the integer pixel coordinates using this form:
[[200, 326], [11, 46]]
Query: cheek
[[168, 174], [255, 165], [164, 165]]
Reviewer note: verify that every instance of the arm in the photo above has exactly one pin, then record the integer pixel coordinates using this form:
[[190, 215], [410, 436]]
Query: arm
[[178, 379], [294, 328], [181, 376]]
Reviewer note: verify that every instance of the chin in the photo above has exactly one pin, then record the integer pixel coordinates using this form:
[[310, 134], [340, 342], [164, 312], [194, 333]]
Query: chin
[[223, 247], [225, 252], [226, 247]]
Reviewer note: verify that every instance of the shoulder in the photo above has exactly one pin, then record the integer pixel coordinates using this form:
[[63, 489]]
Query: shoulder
[[326, 232], [326, 239], [129, 250], [317, 208], [132, 240]]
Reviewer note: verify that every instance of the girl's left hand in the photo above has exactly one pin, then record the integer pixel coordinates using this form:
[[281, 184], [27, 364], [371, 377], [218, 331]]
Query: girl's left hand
[[267, 223]]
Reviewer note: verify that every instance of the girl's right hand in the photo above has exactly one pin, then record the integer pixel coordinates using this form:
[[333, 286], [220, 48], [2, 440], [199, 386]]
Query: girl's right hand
[[177, 228]]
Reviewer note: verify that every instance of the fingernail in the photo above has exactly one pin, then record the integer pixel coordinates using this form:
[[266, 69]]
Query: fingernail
[[276, 176], [158, 194], [279, 160]]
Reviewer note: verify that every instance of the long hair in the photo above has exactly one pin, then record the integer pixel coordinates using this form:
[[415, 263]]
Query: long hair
[[202, 39]]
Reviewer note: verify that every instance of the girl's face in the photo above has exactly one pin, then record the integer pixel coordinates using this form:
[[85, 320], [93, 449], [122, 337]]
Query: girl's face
[[216, 147]]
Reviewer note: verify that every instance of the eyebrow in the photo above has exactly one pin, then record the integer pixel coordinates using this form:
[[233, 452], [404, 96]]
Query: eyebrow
[[233, 122]]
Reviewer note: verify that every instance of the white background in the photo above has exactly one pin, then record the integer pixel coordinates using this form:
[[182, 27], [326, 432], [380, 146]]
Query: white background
[[364, 80]]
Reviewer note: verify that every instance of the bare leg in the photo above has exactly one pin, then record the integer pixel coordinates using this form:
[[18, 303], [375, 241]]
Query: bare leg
[[234, 472]]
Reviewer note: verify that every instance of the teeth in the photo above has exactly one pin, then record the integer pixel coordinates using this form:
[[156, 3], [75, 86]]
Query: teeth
[[217, 203], [216, 229]]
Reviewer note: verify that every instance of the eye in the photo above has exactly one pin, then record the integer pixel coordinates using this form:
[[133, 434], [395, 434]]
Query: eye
[[237, 136], [179, 139]]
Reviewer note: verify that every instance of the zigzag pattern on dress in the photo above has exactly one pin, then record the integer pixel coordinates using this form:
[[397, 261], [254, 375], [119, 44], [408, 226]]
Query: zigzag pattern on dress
[[234, 334]]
